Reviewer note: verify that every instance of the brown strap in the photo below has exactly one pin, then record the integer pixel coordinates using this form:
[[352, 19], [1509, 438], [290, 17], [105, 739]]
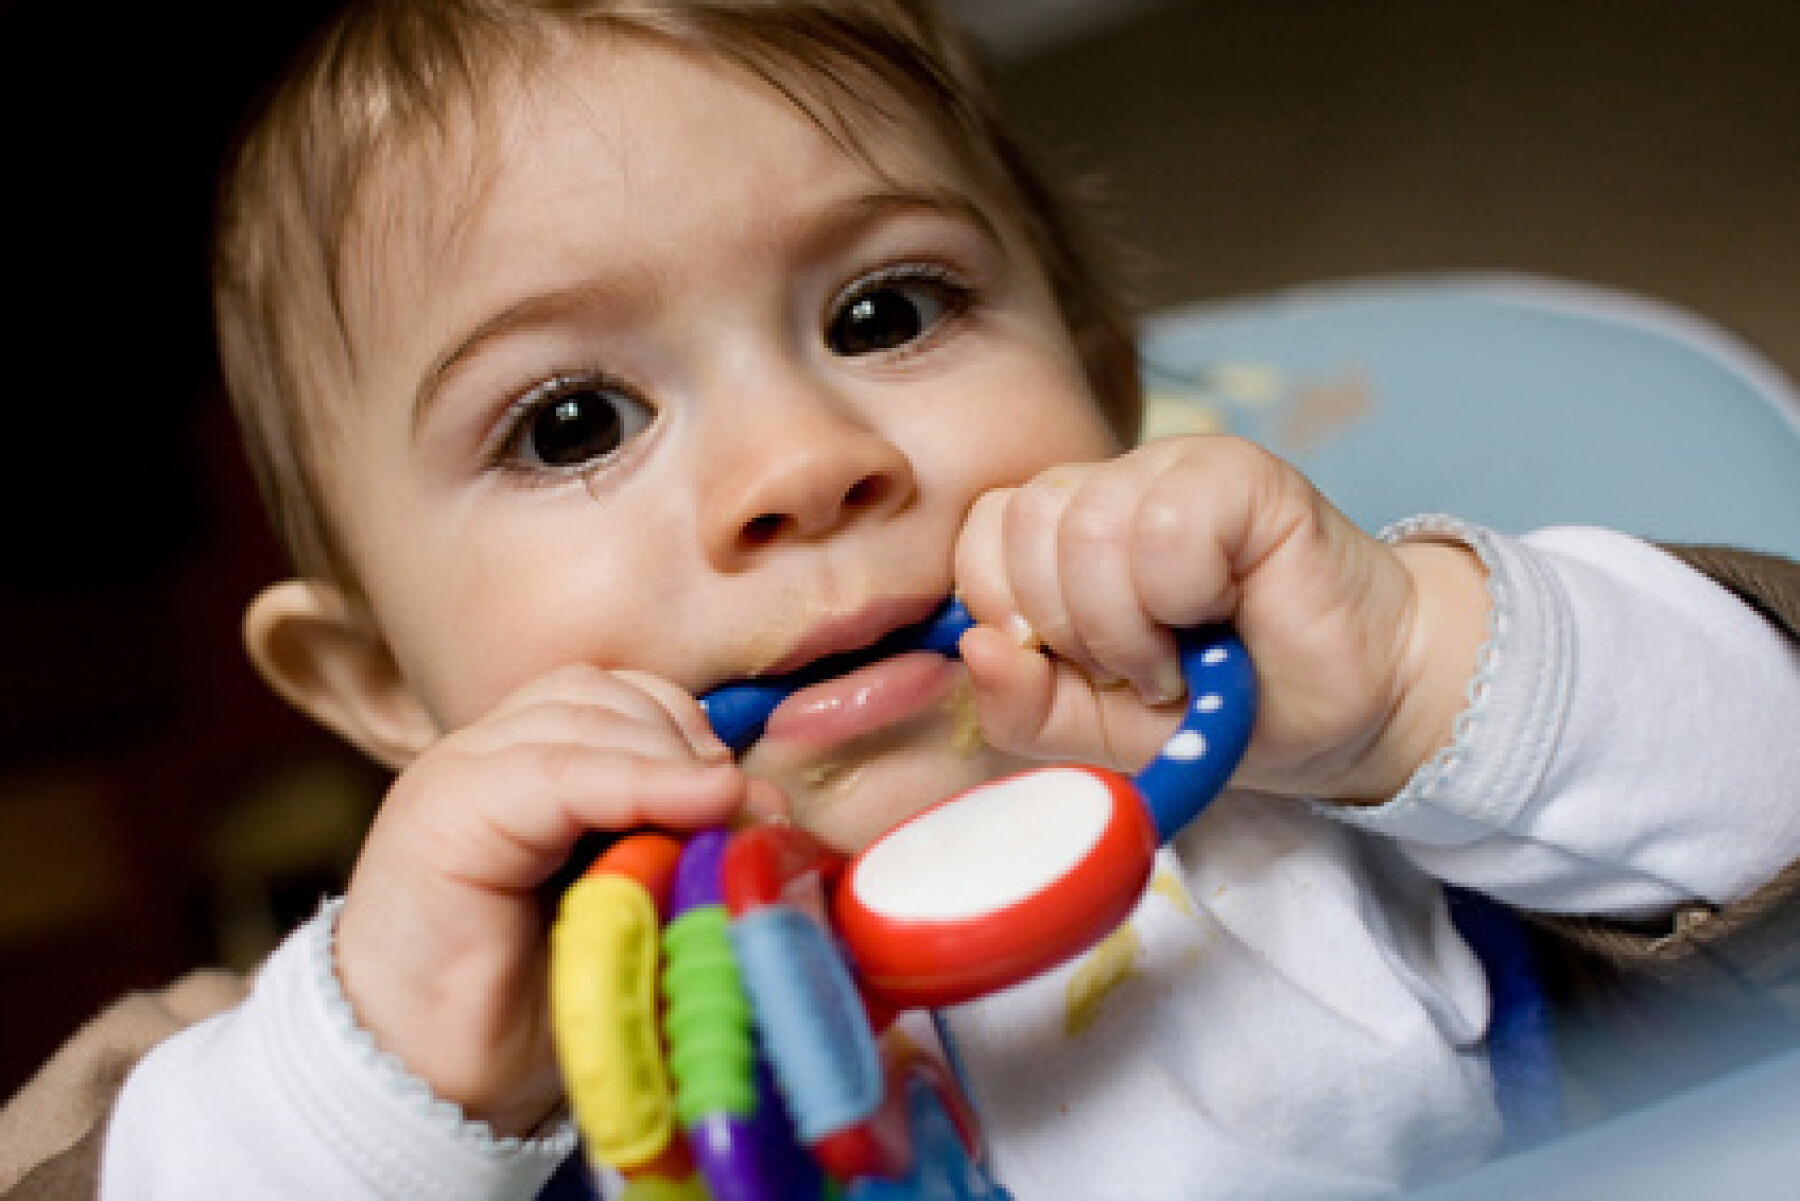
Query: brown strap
[[1767, 583], [1758, 937]]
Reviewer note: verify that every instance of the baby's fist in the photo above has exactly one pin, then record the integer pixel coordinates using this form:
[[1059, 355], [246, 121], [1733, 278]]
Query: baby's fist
[[1360, 649]]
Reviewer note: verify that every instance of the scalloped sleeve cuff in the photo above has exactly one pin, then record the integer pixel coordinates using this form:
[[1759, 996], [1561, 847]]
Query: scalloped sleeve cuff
[[285, 1096], [1505, 737], [1628, 743]]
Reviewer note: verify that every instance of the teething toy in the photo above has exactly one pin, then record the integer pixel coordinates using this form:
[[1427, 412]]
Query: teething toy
[[999, 883], [781, 959]]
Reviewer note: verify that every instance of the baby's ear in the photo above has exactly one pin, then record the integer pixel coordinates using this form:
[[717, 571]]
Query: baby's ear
[[329, 661]]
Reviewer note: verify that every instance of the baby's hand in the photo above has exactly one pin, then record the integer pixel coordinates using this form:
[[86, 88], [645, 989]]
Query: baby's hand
[[441, 943], [1362, 650]]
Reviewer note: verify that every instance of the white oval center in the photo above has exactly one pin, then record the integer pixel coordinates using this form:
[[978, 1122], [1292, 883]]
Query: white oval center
[[993, 846]]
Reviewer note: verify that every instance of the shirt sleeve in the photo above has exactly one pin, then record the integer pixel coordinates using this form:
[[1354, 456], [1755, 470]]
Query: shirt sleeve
[[283, 1096], [1628, 744]]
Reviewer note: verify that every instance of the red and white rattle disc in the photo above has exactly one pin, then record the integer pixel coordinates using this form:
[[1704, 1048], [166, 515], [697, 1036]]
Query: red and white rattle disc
[[995, 885]]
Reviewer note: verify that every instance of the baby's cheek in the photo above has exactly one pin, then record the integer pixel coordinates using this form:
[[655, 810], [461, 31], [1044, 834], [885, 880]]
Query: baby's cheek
[[479, 686]]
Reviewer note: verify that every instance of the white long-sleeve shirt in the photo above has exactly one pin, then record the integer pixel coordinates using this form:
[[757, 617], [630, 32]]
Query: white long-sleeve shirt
[[1289, 1012]]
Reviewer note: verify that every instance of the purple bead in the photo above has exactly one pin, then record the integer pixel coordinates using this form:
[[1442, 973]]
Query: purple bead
[[697, 873]]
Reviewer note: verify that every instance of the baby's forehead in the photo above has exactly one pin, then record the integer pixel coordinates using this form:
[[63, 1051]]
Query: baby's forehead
[[433, 184], [433, 176]]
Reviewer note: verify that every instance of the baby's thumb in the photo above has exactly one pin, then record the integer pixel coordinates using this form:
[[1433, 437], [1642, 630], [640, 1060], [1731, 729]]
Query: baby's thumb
[[1015, 692]]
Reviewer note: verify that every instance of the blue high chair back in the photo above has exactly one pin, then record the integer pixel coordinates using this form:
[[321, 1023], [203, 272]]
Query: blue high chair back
[[1510, 401], [1517, 403]]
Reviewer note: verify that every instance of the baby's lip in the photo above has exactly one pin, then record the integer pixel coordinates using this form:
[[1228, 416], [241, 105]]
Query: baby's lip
[[833, 648], [853, 632]]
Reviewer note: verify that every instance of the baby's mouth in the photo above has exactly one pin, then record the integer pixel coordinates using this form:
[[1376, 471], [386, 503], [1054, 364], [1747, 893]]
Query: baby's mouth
[[833, 777], [852, 792], [875, 631], [820, 679]]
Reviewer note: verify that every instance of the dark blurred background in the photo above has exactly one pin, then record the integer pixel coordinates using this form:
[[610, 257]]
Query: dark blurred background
[[158, 810]]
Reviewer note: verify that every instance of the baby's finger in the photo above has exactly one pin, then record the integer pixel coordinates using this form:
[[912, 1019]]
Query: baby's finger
[[552, 723], [633, 710], [980, 568], [582, 685], [1014, 690], [516, 835], [1215, 510], [1099, 588], [615, 790], [1031, 552], [1041, 708]]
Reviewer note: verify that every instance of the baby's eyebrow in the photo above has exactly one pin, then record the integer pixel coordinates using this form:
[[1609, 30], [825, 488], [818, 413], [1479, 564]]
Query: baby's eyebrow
[[849, 218], [813, 232], [532, 310]]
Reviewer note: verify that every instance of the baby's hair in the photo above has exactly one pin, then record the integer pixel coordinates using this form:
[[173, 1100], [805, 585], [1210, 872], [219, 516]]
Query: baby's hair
[[388, 73]]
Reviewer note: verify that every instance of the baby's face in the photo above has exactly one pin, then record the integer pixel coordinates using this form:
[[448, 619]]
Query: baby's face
[[655, 375]]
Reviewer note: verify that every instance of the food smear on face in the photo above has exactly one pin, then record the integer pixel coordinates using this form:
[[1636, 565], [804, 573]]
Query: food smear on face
[[965, 730]]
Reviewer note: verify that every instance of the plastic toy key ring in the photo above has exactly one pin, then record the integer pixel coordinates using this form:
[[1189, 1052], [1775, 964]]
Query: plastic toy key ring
[[997, 884]]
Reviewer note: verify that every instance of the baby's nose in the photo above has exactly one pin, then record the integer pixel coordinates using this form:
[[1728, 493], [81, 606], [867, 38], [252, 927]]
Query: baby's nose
[[802, 478]]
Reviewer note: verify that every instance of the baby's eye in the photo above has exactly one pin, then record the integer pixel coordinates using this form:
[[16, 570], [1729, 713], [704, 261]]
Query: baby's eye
[[892, 310], [572, 423]]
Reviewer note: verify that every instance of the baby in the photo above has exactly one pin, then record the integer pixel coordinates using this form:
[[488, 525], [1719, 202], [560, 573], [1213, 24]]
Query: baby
[[593, 355]]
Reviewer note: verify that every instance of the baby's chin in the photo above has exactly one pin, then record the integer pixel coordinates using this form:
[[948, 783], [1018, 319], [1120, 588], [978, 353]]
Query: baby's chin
[[860, 791]]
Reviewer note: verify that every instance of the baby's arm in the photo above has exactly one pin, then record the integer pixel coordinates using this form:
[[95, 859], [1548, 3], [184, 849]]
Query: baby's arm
[[1629, 748], [399, 1046], [284, 1096], [1653, 758]]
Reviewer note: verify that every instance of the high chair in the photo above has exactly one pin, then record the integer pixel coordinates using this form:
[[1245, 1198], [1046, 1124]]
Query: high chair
[[1507, 400]]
